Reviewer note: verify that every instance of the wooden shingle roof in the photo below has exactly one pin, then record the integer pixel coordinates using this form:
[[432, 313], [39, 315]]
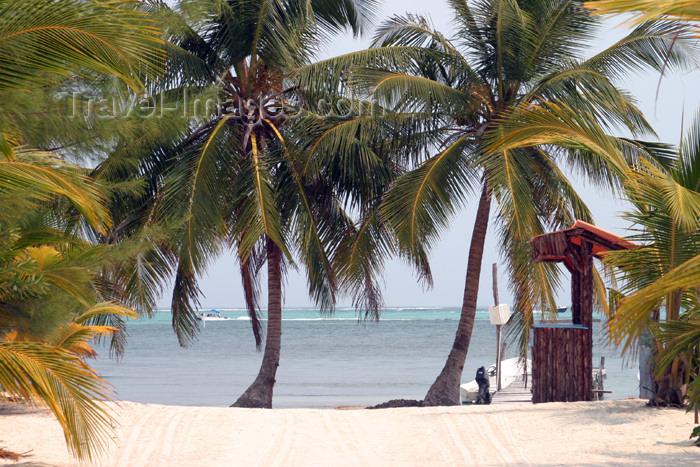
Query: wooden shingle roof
[[554, 246]]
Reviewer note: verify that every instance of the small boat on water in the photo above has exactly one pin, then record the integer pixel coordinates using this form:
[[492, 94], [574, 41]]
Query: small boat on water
[[560, 309], [213, 315], [510, 370]]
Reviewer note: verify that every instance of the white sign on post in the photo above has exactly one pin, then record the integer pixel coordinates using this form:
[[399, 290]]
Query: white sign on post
[[499, 314]]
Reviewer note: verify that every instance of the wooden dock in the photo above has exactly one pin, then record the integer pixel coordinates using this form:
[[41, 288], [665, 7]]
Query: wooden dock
[[517, 391]]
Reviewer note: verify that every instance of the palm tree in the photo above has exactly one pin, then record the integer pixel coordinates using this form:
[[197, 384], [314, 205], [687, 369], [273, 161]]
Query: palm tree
[[683, 277], [49, 308], [659, 274], [681, 11], [50, 298], [235, 180], [497, 111]]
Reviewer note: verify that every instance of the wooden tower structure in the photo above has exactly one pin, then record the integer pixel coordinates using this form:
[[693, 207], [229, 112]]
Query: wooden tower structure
[[562, 355]]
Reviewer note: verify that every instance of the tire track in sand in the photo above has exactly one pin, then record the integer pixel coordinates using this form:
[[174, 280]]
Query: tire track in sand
[[494, 437], [335, 422], [176, 431], [157, 432], [139, 419], [346, 421], [456, 436], [506, 428], [281, 445], [490, 440]]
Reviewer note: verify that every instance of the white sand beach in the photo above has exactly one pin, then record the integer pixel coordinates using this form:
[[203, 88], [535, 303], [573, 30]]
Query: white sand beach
[[584, 433]]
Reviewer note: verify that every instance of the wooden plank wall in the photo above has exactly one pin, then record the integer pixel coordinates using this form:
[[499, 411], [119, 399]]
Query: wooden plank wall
[[561, 364]]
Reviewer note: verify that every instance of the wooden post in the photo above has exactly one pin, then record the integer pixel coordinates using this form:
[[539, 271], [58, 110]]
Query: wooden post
[[599, 384], [587, 308], [575, 297], [498, 327], [494, 276], [498, 357]]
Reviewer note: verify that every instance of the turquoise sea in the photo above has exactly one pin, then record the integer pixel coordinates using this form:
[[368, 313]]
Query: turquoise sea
[[326, 362]]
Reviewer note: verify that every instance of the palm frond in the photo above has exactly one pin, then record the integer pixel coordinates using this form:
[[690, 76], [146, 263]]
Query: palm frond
[[555, 124], [420, 203], [655, 45], [77, 335], [257, 200], [338, 15], [679, 336], [46, 177], [360, 261], [54, 377], [250, 269], [412, 93], [43, 40], [687, 171], [332, 74], [592, 92], [412, 31], [634, 311], [313, 217], [184, 304]]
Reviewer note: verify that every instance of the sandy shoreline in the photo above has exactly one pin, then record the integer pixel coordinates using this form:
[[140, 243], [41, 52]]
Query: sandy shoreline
[[584, 433]]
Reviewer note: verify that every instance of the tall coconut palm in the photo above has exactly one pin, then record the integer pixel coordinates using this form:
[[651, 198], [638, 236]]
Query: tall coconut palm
[[235, 181], [513, 68]]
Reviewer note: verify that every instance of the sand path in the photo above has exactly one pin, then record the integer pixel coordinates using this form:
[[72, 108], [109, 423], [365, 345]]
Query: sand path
[[595, 433]]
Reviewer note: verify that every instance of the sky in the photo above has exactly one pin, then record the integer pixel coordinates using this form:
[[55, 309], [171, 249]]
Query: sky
[[677, 102]]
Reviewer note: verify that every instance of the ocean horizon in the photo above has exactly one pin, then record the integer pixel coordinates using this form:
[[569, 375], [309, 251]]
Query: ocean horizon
[[326, 361]]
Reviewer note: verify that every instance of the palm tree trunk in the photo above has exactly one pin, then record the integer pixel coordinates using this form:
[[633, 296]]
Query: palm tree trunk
[[259, 394], [445, 389]]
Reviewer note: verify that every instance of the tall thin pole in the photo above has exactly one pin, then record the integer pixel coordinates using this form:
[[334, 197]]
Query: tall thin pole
[[498, 327]]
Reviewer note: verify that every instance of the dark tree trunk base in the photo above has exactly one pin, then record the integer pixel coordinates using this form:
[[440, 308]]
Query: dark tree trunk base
[[667, 394], [437, 400], [257, 396], [444, 391]]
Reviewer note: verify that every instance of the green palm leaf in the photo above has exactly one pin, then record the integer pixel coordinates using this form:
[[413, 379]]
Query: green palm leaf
[[255, 194], [314, 241], [45, 39], [634, 311], [46, 176], [420, 203], [655, 45], [663, 271], [554, 123]]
